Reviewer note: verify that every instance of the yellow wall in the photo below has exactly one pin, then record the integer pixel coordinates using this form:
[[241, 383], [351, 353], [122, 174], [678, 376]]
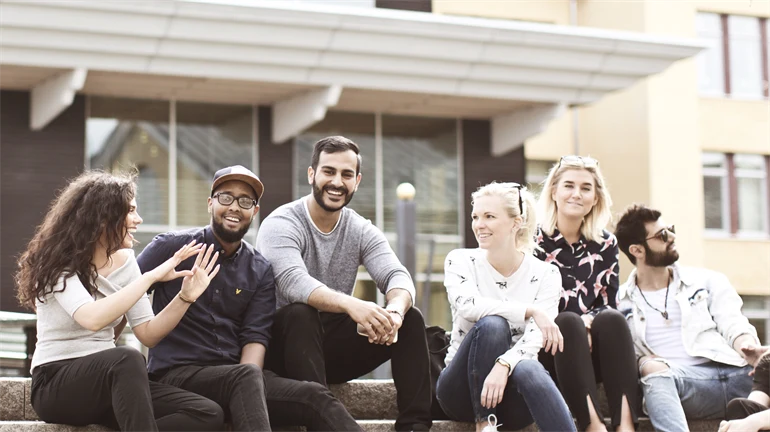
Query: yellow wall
[[760, 8], [551, 12], [734, 126], [745, 262], [552, 143]]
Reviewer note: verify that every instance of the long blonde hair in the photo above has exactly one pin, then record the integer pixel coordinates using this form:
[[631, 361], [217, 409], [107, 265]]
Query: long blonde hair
[[511, 193], [600, 215]]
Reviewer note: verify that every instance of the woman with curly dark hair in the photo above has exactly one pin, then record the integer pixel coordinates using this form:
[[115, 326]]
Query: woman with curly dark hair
[[80, 275]]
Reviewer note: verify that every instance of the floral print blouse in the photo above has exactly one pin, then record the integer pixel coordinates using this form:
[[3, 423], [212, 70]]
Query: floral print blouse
[[589, 270]]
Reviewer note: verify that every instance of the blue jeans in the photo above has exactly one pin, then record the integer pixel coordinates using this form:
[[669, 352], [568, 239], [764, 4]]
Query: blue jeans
[[529, 394], [697, 392]]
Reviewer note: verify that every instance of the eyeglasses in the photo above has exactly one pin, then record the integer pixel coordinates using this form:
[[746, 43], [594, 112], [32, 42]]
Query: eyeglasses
[[226, 199], [663, 234], [512, 185], [585, 162]]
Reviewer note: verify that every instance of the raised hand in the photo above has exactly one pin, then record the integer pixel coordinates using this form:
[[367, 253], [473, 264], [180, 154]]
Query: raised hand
[[752, 353], [203, 271], [167, 271], [553, 341]]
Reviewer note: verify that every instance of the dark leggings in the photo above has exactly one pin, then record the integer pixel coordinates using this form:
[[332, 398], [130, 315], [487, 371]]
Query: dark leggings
[[578, 369], [740, 408], [111, 388]]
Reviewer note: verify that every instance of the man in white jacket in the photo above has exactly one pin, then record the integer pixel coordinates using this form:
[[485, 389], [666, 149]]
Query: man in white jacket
[[687, 327]]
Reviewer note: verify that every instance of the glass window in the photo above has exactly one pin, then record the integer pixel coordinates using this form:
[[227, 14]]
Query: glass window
[[751, 178], [711, 72], [126, 133], [537, 171], [745, 56], [422, 151], [357, 127], [209, 137], [715, 191]]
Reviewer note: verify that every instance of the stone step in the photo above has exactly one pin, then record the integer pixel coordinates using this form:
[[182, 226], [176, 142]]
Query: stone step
[[367, 425], [373, 402]]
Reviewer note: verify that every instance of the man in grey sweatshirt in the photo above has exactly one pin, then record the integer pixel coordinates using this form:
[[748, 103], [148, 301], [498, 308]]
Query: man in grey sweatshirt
[[322, 333]]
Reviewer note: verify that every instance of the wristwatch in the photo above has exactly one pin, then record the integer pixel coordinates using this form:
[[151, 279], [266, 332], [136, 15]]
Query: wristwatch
[[504, 363]]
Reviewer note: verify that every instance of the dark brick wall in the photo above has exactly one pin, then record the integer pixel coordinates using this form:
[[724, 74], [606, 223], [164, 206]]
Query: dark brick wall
[[480, 167], [34, 165], [410, 5], [275, 166]]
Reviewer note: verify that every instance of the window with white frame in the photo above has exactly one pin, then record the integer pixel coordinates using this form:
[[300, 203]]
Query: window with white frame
[[745, 47], [711, 70], [735, 190], [751, 180], [732, 64], [715, 191]]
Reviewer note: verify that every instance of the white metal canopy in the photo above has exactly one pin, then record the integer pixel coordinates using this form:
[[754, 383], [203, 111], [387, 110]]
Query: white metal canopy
[[382, 60]]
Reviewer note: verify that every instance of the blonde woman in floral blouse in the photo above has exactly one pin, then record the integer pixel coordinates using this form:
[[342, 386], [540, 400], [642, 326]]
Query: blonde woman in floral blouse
[[574, 209]]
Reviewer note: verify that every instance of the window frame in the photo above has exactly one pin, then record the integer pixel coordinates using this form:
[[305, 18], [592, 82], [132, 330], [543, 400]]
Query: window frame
[[730, 225], [764, 47]]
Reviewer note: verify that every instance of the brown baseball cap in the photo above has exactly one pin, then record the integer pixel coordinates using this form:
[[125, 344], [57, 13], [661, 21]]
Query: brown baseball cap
[[239, 173]]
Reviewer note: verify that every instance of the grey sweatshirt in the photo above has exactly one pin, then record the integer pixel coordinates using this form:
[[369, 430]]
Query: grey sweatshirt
[[304, 258]]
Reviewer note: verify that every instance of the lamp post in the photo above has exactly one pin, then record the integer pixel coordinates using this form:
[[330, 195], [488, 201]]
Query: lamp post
[[406, 227]]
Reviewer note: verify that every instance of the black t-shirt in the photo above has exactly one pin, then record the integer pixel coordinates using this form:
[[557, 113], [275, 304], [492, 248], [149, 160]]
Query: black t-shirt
[[762, 375]]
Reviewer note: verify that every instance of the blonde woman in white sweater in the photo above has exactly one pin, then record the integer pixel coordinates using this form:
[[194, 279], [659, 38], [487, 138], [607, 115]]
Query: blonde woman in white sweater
[[503, 303]]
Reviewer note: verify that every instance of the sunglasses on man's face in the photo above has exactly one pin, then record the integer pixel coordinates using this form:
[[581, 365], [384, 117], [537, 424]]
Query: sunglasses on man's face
[[663, 234]]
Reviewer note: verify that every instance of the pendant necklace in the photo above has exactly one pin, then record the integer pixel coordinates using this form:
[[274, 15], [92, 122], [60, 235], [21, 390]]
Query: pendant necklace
[[664, 312]]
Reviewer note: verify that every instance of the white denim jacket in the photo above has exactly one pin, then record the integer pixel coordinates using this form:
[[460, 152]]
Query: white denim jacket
[[711, 314]]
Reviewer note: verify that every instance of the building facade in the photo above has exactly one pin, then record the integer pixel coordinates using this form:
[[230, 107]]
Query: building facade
[[445, 95]]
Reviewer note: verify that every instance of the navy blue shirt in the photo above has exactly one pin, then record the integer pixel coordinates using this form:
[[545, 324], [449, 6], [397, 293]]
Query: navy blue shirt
[[236, 309]]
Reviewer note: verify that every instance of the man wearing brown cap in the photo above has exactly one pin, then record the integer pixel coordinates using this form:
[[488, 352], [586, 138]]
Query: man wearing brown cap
[[218, 349]]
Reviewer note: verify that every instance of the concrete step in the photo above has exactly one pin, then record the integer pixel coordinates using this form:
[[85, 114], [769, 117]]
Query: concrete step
[[367, 425], [373, 402]]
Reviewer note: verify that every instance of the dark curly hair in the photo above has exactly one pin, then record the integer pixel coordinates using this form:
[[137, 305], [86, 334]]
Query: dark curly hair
[[631, 229], [92, 204]]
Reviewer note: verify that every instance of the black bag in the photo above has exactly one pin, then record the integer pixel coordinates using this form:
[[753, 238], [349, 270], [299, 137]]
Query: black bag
[[438, 344]]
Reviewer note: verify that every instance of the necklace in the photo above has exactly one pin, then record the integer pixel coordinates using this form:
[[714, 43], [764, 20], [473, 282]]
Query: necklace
[[664, 312]]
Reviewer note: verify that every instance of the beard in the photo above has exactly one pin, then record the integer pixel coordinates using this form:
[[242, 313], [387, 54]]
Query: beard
[[660, 259], [226, 235], [318, 195]]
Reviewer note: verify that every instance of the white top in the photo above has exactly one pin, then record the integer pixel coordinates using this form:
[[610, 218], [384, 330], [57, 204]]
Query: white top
[[60, 337], [665, 336], [476, 290]]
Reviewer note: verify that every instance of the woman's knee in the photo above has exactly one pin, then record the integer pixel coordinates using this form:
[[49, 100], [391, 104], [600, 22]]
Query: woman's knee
[[570, 324], [530, 375], [493, 326], [610, 321], [127, 358]]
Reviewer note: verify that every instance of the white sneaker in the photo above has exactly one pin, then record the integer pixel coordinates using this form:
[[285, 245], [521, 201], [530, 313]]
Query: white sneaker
[[492, 426]]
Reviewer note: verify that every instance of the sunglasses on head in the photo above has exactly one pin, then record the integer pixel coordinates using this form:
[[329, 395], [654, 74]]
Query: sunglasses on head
[[512, 185], [581, 161], [663, 234]]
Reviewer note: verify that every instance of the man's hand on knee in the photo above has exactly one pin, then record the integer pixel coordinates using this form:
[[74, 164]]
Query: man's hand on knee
[[651, 364]]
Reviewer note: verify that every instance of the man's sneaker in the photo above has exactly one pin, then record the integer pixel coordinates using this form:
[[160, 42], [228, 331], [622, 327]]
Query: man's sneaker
[[492, 426]]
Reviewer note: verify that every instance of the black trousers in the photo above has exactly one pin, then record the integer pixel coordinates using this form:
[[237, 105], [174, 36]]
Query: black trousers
[[323, 347], [578, 369], [741, 408], [111, 388], [250, 395]]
